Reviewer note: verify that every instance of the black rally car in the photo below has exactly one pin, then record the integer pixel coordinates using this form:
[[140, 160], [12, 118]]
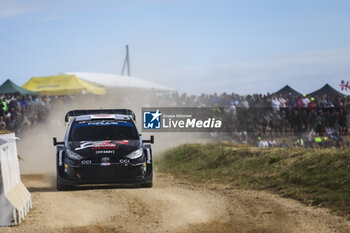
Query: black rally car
[[103, 147]]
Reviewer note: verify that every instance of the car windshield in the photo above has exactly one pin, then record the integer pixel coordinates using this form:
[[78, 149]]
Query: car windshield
[[98, 130]]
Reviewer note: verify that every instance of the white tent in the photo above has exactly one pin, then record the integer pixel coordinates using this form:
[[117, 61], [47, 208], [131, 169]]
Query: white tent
[[118, 81]]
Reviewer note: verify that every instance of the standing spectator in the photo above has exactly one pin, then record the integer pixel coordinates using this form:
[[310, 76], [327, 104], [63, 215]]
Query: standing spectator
[[300, 103], [311, 105], [305, 101], [272, 142], [275, 103], [283, 102], [263, 143]]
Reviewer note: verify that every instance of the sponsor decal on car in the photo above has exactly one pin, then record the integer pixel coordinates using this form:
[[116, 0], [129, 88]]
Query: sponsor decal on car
[[124, 161], [105, 164], [124, 142], [102, 123], [86, 162], [105, 152], [105, 145]]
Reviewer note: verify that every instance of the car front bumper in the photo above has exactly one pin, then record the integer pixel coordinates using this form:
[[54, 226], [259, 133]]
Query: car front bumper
[[105, 174]]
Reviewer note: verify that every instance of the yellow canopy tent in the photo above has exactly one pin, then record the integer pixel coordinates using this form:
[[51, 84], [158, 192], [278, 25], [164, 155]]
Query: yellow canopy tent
[[63, 85]]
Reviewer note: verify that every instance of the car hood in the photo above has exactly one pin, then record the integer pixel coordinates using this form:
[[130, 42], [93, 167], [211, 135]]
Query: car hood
[[115, 148]]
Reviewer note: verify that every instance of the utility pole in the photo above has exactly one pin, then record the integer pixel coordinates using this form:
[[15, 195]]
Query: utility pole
[[126, 62]]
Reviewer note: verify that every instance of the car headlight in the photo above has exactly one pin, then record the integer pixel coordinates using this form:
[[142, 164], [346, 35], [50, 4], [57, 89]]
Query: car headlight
[[73, 155], [135, 154]]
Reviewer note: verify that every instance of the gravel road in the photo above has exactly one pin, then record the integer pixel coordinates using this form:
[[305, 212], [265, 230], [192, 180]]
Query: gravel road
[[170, 206]]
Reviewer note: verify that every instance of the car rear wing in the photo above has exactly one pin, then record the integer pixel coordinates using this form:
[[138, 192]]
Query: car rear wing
[[74, 113]]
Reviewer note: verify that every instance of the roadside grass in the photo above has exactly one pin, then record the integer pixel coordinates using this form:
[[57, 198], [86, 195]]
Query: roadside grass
[[318, 177]]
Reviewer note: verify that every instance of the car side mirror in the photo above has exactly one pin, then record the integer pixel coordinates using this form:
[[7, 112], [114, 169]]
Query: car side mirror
[[55, 142], [151, 140]]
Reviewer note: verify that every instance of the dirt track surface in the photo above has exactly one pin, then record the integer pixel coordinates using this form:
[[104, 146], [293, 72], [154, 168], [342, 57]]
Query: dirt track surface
[[170, 206]]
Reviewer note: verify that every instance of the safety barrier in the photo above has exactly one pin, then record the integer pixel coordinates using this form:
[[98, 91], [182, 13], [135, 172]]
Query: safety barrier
[[15, 199]]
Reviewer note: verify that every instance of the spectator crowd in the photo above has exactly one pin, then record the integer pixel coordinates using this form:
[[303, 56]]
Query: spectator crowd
[[18, 113], [264, 120]]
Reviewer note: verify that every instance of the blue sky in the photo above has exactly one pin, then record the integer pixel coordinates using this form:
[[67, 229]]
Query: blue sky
[[191, 45]]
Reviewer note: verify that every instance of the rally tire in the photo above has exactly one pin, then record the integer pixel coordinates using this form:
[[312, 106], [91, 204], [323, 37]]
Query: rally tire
[[62, 186], [147, 185]]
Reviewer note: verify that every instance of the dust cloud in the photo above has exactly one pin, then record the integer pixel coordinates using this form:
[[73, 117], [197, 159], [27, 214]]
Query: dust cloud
[[35, 144]]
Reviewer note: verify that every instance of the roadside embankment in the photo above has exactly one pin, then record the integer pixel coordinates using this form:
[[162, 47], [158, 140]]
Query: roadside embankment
[[317, 177]]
